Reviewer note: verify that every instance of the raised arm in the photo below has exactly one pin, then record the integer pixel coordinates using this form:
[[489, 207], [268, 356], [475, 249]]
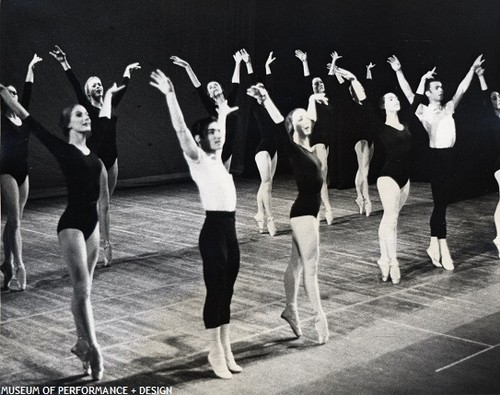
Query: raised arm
[[270, 59], [403, 83], [245, 56], [332, 66], [482, 81], [464, 85], [30, 77], [358, 89], [106, 109], [302, 56], [259, 93], [187, 67], [186, 140], [369, 68], [14, 105], [238, 57]]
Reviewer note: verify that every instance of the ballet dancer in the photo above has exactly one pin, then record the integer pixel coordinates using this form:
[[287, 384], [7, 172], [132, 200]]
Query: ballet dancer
[[437, 119], [219, 248], [324, 122], [78, 230], [14, 181], [213, 97], [103, 139], [303, 216]]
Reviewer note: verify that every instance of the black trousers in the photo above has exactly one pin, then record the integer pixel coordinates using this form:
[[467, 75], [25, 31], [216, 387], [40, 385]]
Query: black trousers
[[442, 179], [220, 253]]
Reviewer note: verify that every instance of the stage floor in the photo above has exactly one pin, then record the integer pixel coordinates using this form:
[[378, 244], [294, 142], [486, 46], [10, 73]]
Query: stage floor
[[436, 332]]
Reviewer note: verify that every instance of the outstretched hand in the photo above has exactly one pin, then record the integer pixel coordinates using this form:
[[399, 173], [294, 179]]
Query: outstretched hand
[[270, 59], [130, 67], [258, 92], [478, 62], [161, 82], [238, 56], [301, 55], [245, 56], [36, 59], [394, 62], [224, 109], [319, 98], [179, 62], [430, 74], [115, 88], [370, 66], [58, 54]]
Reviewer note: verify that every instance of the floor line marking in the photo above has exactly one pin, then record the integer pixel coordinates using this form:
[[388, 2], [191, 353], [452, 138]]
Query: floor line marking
[[465, 359]]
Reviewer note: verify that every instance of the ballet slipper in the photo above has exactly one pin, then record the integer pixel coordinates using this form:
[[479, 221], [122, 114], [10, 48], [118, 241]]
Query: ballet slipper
[[496, 241], [96, 363], [259, 217], [383, 264], [321, 325], [394, 271], [6, 270], [361, 203], [435, 256], [291, 316], [329, 216], [271, 226], [82, 350], [218, 364], [447, 262], [368, 207], [231, 363]]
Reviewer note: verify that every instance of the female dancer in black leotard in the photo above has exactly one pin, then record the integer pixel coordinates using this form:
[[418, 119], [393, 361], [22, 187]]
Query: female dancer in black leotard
[[103, 139], [323, 126], [393, 183], [14, 181], [492, 102], [88, 201], [214, 97], [303, 216]]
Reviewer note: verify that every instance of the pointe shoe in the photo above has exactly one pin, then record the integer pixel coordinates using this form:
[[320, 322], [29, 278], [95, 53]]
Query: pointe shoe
[[81, 350], [21, 278], [6, 270], [231, 363], [394, 271], [291, 316], [368, 207], [435, 257], [447, 263], [383, 264], [96, 363], [361, 204], [496, 241], [218, 364], [329, 216], [271, 226], [321, 325], [260, 221]]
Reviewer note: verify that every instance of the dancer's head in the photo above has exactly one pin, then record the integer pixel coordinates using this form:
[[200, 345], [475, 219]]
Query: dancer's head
[[207, 135], [298, 122], [76, 118], [94, 89], [495, 100], [390, 103], [434, 90], [214, 89], [13, 92], [317, 85]]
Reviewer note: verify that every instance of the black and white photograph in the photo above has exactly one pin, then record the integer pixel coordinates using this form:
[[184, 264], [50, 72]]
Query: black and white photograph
[[249, 197]]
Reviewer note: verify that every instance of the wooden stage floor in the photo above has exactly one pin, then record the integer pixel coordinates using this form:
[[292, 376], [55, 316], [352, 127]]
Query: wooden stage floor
[[436, 332]]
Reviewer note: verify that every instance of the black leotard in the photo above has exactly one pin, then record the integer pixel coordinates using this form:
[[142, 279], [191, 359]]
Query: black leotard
[[307, 171], [324, 125], [14, 143], [103, 139], [82, 173]]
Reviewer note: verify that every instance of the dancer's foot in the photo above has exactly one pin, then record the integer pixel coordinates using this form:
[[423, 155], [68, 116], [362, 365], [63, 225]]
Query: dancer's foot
[[368, 207], [6, 270], [329, 216], [96, 363], [361, 203], [394, 271], [259, 217], [218, 364], [82, 351], [383, 264], [271, 226], [435, 256], [291, 316], [231, 363], [496, 241], [321, 325], [447, 262], [20, 278]]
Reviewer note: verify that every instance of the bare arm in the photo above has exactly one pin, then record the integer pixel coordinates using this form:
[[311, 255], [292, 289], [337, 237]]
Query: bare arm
[[238, 57], [302, 56], [482, 81], [464, 85], [14, 105], [260, 94], [186, 140], [60, 56], [30, 75], [107, 102], [192, 76], [245, 56], [270, 59], [403, 83], [332, 67]]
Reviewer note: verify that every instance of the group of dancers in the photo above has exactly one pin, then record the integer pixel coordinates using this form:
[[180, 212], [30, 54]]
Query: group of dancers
[[89, 161]]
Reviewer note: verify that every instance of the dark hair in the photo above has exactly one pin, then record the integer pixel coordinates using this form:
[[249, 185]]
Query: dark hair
[[65, 119], [428, 84], [200, 127], [4, 106], [289, 121]]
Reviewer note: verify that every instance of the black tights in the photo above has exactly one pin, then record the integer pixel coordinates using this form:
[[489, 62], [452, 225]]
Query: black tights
[[220, 253], [442, 184]]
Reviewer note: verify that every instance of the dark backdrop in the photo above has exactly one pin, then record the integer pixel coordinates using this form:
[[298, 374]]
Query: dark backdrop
[[102, 37]]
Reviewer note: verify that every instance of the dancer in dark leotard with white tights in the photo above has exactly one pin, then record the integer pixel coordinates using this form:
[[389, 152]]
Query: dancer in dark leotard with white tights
[[78, 229], [14, 182], [103, 139], [303, 216]]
